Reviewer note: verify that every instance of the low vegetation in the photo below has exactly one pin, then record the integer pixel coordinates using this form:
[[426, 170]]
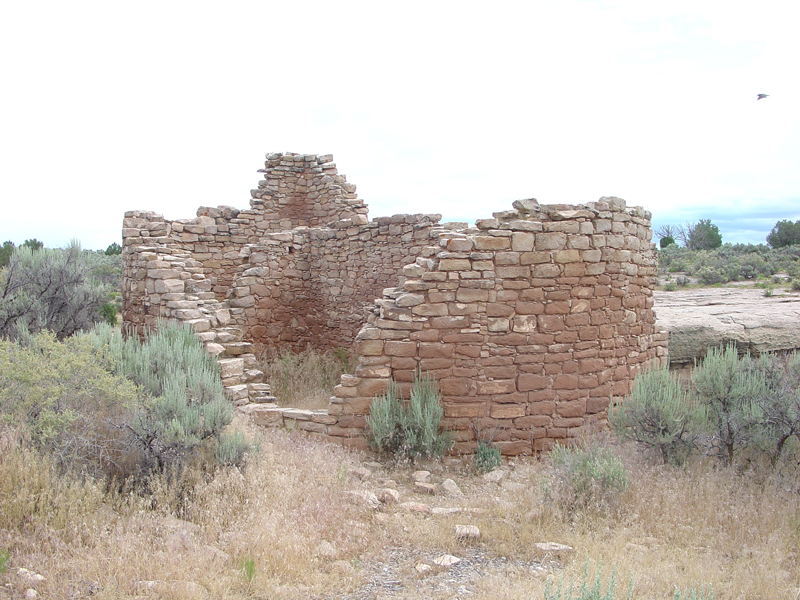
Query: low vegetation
[[738, 409], [304, 379], [409, 430], [730, 262], [63, 290], [291, 521], [116, 409], [123, 473]]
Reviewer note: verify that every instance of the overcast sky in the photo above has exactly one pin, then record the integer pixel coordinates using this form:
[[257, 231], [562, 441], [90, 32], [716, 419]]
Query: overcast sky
[[444, 107]]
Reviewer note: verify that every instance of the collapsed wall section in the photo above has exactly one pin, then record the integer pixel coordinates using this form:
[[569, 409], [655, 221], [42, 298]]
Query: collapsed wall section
[[297, 190], [316, 286]]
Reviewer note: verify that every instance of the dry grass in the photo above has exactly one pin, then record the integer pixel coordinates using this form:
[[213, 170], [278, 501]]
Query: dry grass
[[286, 526], [275, 513], [305, 379]]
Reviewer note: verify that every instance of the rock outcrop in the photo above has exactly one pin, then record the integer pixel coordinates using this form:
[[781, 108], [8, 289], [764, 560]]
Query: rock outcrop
[[697, 320]]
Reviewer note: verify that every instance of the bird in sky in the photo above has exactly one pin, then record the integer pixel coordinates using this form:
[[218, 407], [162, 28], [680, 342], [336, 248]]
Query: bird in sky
[[762, 96]]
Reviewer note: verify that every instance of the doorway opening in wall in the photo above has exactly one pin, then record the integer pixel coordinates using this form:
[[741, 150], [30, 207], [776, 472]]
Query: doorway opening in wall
[[305, 379]]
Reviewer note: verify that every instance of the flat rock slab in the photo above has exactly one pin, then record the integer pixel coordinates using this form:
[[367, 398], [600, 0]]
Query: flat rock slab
[[703, 318]]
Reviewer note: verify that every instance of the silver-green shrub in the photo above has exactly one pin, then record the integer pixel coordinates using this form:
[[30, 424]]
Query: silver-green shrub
[[729, 390], [486, 457], [182, 411], [657, 414], [59, 397], [586, 591], [411, 431]]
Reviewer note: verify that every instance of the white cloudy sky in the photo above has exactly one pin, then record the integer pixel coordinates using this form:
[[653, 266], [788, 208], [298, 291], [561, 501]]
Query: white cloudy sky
[[436, 106]]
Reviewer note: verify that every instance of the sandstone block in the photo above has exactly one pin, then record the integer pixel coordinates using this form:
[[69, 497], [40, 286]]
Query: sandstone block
[[489, 242], [567, 256], [487, 388], [524, 324], [405, 300], [169, 286], [522, 242], [472, 295], [454, 264], [231, 367], [464, 409], [513, 272], [449, 322], [528, 382], [550, 241], [507, 411], [430, 310], [370, 347], [406, 349], [427, 350]]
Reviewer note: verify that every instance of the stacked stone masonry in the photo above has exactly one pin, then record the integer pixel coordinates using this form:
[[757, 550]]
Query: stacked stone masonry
[[532, 321]]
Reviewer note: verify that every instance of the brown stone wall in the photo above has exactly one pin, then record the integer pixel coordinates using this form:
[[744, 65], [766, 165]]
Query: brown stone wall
[[297, 190], [531, 322], [317, 287]]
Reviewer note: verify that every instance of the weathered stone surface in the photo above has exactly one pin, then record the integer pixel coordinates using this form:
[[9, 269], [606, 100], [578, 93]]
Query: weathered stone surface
[[701, 319], [451, 488], [446, 560], [467, 532]]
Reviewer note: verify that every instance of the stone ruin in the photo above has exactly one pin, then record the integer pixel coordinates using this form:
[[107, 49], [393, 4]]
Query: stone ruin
[[532, 321]]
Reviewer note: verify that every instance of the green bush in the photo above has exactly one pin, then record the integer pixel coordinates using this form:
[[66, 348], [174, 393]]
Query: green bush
[[739, 407], [785, 233], [779, 404], [6, 250], [703, 235], [588, 476], [409, 432], [712, 276], [59, 396], [728, 389], [49, 289], [730, 262], [666, 241], [182, 411], [657, 414], [486, 458]]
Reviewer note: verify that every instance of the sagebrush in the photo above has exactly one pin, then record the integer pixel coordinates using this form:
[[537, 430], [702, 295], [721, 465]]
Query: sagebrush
[[411, 431]]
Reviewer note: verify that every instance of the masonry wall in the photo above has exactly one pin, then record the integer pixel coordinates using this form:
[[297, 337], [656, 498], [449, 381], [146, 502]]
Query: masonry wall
[[329, 262], [531, 322], [317, 286]]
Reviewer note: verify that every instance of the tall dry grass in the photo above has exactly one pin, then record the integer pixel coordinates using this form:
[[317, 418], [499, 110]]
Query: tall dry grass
[[700, 527], [274, 514], [304, 379], [285, 526]]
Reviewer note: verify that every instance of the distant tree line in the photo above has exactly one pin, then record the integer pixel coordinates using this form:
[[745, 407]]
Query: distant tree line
[[701, 235], [704, 235], [785, 233]]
